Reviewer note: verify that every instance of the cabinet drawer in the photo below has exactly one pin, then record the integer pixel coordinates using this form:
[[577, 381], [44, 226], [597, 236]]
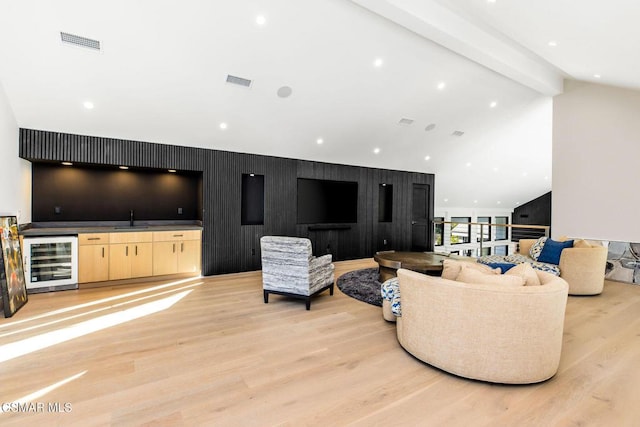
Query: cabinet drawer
[[177, 235], [93, 239], [131, 237]]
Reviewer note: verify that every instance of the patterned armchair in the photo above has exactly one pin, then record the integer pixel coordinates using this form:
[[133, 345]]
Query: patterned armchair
[[289, 268]]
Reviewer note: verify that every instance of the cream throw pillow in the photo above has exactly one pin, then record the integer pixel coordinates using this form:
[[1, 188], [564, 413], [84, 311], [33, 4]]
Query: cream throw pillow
[[526, 272], [469, 275], [451, 268], [580, 243]]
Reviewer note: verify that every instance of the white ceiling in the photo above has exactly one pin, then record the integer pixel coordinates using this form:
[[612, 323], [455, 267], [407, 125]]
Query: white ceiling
[[160, 77]]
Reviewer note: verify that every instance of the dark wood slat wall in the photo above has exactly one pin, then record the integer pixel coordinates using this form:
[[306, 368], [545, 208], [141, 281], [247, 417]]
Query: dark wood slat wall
[[228, 246]]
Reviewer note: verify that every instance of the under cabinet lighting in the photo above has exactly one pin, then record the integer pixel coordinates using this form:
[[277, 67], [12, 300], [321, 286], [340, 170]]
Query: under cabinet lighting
[[124, 167], [67, 163], [172, 170]]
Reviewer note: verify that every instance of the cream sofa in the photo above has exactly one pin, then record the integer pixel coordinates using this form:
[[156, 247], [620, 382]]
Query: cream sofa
[[582, 266], [489, 332]]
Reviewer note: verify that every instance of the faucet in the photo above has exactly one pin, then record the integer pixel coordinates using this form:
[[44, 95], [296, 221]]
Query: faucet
[[131, 218]]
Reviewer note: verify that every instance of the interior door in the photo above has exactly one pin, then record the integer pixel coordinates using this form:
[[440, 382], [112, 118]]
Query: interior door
[[420, 218]]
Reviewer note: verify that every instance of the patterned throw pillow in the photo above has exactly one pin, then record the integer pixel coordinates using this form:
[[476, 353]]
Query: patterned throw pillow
[[536, 248]]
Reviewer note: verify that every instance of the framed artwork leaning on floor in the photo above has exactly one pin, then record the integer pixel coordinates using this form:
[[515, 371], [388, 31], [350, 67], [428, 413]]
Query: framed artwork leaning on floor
[[12, 282]]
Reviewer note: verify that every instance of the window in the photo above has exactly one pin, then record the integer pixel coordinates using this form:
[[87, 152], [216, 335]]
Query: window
[[502, 233], [500, 250], [460, 230], [439, 230], [484, 251], [486, 230]]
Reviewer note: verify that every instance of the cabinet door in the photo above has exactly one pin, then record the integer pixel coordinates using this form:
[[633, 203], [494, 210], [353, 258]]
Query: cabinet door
[[142, 259], [119, 261], [189, 256], [165, 258], [93, 263]]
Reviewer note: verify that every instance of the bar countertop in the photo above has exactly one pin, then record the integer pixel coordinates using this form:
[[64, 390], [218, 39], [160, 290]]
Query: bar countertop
[[43, 229]]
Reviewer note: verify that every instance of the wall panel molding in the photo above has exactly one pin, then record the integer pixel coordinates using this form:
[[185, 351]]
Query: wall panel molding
[[228, 246]]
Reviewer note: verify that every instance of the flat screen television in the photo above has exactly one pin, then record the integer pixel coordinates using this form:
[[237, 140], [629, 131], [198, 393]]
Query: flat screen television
[[323, 201]]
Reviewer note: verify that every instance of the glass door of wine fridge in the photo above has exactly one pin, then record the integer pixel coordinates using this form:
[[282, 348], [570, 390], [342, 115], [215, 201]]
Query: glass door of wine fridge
[[51, 263]]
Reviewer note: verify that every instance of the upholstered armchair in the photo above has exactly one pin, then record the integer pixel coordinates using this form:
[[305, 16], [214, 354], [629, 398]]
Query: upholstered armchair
[[582, 266], [290, 269]]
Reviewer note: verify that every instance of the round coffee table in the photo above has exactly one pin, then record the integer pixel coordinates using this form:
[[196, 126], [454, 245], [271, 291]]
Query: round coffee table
[[422, 262]]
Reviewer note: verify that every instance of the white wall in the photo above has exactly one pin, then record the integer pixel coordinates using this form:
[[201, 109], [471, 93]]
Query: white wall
[[596, 162], [15, 173]]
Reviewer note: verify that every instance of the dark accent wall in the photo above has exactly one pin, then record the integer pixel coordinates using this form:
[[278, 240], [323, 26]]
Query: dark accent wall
[[80, 193], [535, 212], [227, 245]]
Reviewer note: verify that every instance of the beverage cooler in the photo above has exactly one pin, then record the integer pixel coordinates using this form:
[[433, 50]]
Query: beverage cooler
[[51, 263]]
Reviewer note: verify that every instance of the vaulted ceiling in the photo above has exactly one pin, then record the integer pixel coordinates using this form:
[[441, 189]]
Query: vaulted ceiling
[[457, 88]]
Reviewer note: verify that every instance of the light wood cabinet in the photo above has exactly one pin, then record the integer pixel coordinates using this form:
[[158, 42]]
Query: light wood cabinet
[[130, 255], [93, 257], [176, 252]]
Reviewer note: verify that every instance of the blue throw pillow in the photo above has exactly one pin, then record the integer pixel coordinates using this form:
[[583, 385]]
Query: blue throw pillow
[[551, 251], [503, 266]]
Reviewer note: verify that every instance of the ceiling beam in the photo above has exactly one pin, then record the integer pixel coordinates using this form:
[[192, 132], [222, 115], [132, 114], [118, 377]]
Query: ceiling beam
[[436, 22]]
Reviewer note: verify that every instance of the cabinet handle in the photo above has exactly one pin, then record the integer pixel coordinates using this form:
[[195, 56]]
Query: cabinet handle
[[178, 235], [174, 248], [126, 249], [94, 238], [103, 252], [136, 250]]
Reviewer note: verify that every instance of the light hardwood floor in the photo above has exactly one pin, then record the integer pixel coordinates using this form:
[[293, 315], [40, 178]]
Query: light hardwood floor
[[220, 356]]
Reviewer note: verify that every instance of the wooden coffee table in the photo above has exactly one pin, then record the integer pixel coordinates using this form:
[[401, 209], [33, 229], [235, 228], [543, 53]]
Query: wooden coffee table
[[422, 262]]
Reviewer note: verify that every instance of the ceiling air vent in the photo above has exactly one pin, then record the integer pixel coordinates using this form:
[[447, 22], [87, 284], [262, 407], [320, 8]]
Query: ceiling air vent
[[238, 81], [457, 133], [80, 41], [405, 122]]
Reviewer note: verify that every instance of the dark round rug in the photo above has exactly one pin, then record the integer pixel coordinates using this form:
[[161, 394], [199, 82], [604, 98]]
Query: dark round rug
[[362, 285]]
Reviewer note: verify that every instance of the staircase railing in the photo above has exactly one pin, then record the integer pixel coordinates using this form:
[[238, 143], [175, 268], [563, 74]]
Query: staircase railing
[[480, 238]]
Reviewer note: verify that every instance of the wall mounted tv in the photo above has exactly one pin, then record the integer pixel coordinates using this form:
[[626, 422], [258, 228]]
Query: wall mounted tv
[[327, 202]]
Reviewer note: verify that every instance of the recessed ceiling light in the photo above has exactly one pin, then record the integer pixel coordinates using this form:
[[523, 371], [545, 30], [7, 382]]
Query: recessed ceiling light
[[319, 141], [493, 104], [378, 62], [427, 157], [546, 178], [499, 202], [124, 167], [495, 169], [376, 150], [446, 200], [67, 163], [553, 43], [261, 20], [88, 105], [172, 170], [475, 201], [597, 76], [223, 125], [441, 85], [468, 164], [524, 174]]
